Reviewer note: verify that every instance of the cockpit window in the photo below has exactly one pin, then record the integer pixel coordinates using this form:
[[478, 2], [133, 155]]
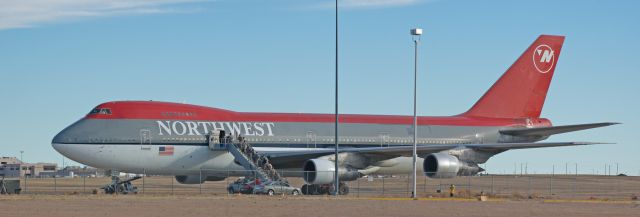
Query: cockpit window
[[104, 111]]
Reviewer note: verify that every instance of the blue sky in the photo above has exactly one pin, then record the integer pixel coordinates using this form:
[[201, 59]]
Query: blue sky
[[58, 59]]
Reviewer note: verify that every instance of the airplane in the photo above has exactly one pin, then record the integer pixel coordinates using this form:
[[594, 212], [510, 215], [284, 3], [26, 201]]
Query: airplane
[[172, 138]]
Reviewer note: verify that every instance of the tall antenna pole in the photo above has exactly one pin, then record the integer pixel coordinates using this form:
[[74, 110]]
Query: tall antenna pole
[[337, 179]]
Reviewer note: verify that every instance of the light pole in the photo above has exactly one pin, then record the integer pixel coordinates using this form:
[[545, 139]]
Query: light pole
[[416, 33], [21, 156], [337, 179]]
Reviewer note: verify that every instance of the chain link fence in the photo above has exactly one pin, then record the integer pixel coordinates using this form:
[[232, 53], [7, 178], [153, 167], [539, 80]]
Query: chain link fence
[[501, 186]]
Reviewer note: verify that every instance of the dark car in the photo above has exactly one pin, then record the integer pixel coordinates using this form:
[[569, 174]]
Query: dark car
[[242, 186]]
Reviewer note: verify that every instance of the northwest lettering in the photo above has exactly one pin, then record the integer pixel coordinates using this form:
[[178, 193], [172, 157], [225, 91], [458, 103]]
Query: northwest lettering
[[192, 128]]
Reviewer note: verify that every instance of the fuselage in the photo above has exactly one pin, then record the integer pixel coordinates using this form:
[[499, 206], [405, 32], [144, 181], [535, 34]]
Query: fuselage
[[133, 135]]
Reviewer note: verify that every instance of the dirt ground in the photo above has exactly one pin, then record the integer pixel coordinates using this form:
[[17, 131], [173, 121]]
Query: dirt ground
[[243, 205], [538, 186]]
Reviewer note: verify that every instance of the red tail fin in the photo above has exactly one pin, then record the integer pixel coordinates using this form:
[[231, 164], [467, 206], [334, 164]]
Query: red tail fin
[[522, 89]]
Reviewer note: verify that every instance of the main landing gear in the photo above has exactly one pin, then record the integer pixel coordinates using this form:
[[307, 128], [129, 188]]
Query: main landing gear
[[321, 189]]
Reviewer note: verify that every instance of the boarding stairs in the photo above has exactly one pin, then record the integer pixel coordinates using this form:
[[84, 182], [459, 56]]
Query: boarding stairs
[[244, 153]]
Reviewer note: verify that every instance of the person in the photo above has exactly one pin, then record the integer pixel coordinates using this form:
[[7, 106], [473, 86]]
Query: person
[[452, 190], [259, 162], [263, 162], [255, 158]]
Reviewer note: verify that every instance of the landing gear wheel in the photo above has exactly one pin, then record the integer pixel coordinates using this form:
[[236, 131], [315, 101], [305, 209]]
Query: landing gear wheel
[[344, 189]]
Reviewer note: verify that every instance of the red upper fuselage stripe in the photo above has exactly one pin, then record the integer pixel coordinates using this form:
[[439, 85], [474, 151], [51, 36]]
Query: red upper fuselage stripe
[[176, 111]]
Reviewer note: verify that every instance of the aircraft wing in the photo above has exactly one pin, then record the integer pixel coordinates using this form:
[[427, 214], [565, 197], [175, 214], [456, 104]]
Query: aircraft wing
[[547, 131], [286, 159]]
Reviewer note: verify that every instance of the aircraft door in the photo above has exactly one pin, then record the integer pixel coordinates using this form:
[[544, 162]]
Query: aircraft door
[[311, 140], [384, 139], [145, 139], [479, 138]]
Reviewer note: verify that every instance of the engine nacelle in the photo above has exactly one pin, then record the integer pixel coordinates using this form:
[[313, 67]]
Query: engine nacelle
[[320, 171], [445, 166], [191, 179]]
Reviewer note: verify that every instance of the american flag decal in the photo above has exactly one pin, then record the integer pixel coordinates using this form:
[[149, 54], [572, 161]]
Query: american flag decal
[[165, 151]]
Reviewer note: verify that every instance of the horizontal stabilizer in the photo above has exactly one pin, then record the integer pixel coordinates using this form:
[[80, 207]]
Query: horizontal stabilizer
[[547, 131]]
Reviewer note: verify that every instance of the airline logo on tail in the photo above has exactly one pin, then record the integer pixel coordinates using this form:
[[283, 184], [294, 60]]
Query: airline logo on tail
[[543, 58]]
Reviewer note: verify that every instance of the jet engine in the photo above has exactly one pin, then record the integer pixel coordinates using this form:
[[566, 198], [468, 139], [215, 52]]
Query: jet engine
[[191, 179], [321, 171], [444, 166]]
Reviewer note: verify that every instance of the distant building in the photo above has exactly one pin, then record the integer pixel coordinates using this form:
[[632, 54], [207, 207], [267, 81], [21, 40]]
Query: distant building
[[12, 167], [72, 171], [10, 170]]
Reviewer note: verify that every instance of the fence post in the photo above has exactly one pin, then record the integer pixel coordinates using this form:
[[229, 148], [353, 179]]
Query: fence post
[[144, 173], [200, 186], [408, 183], [358, 194], [55, 184], [575, 183], [506, 179], [25, 183], [529, 187], [84, 184], [382, 185], [491, 183], [551, 185], [469, 186], [425, 184]]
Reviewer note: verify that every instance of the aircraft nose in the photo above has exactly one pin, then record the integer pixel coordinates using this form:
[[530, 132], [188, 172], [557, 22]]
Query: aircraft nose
[[63, 139], [59, 138], [58, 143], [57, 147]]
